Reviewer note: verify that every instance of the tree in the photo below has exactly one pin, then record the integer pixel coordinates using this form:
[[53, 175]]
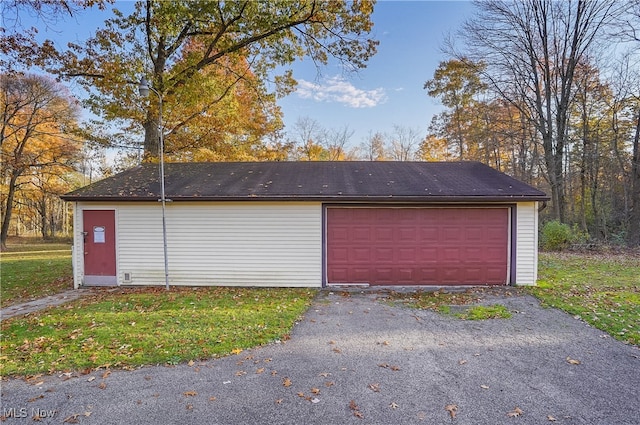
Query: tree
[[308, 137], [457, 83], [404, 142], [532, 49], [19, 49], [36, 134], [177, 41], [374, 147]]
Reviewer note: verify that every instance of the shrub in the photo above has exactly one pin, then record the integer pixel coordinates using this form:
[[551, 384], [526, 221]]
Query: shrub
[[556, 236]]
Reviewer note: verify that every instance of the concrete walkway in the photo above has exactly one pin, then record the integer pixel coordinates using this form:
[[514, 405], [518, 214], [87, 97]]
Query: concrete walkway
[[355, 358], [42, 303]]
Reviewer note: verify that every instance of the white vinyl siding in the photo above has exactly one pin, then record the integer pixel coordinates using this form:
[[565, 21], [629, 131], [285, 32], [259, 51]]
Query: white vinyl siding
[[527, 243], [222, 243]]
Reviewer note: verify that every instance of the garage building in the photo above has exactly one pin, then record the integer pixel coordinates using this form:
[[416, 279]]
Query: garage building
[[308, 224]]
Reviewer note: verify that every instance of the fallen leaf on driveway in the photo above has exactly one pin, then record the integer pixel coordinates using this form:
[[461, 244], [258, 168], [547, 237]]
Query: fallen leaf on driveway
[[393, 405], [572, 361], [102, 385], [484, 387], [515, 413], [452, 409], [286, 382], [374, 387], [315, 390], [356, 410], [461, 362], [190, 393], [551, 418]]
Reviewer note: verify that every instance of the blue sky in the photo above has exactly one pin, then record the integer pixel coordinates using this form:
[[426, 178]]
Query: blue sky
[[388, 92]]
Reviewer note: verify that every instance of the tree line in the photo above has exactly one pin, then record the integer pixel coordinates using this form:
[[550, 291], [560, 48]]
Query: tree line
[[549, 92], [545, 91]]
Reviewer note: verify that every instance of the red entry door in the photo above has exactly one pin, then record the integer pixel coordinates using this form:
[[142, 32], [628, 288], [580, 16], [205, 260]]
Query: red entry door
[[99, 247]]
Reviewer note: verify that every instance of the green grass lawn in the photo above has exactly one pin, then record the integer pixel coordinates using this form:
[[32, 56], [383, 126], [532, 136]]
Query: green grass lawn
[[135, 327], [602, 289], [34, 271]]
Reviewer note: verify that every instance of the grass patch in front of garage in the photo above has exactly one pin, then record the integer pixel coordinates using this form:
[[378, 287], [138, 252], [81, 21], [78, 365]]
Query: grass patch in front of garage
[[454, 303], [439, 300], [135, 327], [601, 289], [477, 312]]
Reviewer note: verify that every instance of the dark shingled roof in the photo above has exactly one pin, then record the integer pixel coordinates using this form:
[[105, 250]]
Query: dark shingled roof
[[324, 181]]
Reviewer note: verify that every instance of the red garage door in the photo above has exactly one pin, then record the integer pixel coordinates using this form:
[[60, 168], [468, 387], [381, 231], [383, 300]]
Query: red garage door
[[417, 246]]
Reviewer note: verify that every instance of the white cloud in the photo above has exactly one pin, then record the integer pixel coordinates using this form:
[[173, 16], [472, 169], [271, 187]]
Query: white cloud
[[337, 89]]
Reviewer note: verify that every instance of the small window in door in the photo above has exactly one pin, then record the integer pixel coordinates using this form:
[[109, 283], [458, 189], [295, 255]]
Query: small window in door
[[98, 234]]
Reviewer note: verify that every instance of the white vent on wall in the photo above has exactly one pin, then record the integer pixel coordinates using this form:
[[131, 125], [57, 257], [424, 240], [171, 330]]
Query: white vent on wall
[[127, 277]]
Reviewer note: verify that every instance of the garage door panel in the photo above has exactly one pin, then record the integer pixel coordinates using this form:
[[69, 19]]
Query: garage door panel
[[402, 246], [360, 255]]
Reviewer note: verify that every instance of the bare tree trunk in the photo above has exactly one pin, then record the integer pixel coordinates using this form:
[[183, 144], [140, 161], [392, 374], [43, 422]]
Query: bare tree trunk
[[6, 220], [151, 135], [633, 237]]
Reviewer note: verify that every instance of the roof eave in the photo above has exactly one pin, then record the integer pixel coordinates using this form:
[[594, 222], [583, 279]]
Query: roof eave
[[315, 198]]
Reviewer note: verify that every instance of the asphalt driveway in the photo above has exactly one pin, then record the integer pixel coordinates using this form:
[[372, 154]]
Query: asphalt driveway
[[356, 359]]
